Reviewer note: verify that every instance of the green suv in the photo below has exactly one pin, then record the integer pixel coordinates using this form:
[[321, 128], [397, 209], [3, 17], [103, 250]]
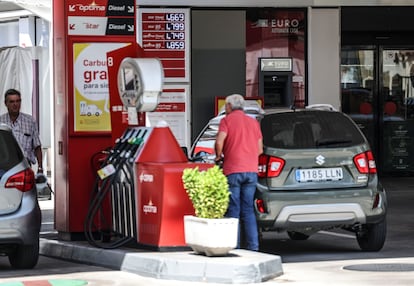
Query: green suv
[[318, 172]]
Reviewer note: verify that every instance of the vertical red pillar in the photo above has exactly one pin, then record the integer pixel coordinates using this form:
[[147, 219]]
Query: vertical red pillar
[[84, 33]]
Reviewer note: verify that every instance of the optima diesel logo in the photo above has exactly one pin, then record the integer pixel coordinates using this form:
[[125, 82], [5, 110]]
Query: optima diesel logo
[[87, 8], [148, 178], [149, 208]]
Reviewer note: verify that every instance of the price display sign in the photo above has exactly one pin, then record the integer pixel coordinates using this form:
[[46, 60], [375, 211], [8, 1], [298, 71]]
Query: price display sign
[[164, 34]]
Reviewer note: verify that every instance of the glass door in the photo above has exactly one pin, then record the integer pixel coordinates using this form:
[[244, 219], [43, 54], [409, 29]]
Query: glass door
[[358, 89], [377, 91], [396, 125]]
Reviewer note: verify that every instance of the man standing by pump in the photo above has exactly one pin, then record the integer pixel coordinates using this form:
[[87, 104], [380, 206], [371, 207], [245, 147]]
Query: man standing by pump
[[24, 128], [239, 143]]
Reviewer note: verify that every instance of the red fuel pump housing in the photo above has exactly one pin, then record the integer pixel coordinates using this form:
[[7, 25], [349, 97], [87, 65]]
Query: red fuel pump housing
[[75, 144], [161, 197], [153, 212], [163, 203]]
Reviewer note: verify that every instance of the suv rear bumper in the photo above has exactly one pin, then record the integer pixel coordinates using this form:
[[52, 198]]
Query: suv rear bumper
[[290, 210], [319, 214]]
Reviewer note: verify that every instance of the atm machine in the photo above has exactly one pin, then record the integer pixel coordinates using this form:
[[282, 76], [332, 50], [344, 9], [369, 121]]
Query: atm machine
[[275, 82]]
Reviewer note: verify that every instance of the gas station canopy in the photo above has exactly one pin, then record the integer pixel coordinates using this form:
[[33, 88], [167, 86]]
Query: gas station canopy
[[41, 8]]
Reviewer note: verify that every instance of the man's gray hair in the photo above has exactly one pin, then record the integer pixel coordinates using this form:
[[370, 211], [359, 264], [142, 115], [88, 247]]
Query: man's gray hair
[[236, 101]]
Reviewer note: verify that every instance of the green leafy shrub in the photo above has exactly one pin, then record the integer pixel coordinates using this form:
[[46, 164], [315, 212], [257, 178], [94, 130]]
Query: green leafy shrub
[[208, 191]]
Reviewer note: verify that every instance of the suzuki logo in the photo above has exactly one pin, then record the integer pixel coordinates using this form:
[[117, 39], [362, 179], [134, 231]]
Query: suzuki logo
[[320, 160]]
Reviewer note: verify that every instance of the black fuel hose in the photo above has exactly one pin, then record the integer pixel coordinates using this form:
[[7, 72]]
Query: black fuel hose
[[121, 158]]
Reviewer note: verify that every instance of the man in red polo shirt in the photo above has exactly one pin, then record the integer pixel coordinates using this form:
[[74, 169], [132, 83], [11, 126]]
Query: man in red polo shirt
[[239, 143]]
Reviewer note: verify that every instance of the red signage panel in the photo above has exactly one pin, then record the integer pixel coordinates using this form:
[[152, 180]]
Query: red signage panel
[[101, 17], [101, 8], [165, 34]]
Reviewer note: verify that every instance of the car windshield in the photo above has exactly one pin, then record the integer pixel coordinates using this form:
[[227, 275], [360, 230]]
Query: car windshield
[[309, 129], [205, 144]]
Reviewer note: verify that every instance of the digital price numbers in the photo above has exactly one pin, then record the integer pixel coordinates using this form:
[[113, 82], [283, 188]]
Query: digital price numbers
[[165, 35], [175, 45], [175, 17], [175, 36], [175, 26]]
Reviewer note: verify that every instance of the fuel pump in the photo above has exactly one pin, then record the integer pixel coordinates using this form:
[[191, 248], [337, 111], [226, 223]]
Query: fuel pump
[[138, 195], [140, 83]]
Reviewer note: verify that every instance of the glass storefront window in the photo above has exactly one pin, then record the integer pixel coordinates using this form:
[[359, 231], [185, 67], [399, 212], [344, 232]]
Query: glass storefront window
[[398, 83], [42, 33], [357, 88], [9, 32], [397, 88], [357, 78]]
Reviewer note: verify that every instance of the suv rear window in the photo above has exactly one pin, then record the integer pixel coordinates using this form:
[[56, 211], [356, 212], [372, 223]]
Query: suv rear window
[[10, 153], [309, 129]]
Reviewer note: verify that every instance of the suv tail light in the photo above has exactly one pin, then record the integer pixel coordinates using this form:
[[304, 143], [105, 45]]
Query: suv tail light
[[23, 181], [260, 205], [365, 163], [270, 166]]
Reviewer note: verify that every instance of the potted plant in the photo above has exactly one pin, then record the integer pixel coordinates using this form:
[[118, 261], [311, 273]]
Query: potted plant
[[208, 232]]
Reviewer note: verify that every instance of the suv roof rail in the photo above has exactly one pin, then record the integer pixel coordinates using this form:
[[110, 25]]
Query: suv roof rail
[[321, 106]]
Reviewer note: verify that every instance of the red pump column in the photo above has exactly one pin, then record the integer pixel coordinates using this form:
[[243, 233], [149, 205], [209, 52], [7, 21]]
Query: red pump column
[[84, 33]]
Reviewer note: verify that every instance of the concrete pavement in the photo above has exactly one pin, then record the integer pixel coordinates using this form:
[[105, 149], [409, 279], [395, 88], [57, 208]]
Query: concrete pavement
[[240, 266], [247, 268]]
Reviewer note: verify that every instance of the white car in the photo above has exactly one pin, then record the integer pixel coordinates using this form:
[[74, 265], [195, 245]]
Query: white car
[[20, 215], [202, 149]]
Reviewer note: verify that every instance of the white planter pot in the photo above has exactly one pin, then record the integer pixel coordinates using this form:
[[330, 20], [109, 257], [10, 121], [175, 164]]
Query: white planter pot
[[212, 237]]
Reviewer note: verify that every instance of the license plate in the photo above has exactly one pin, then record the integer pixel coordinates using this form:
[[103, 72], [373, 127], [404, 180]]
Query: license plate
[[318, 175]]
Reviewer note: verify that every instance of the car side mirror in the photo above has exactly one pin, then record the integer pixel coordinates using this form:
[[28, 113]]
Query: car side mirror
[[185, 150]]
